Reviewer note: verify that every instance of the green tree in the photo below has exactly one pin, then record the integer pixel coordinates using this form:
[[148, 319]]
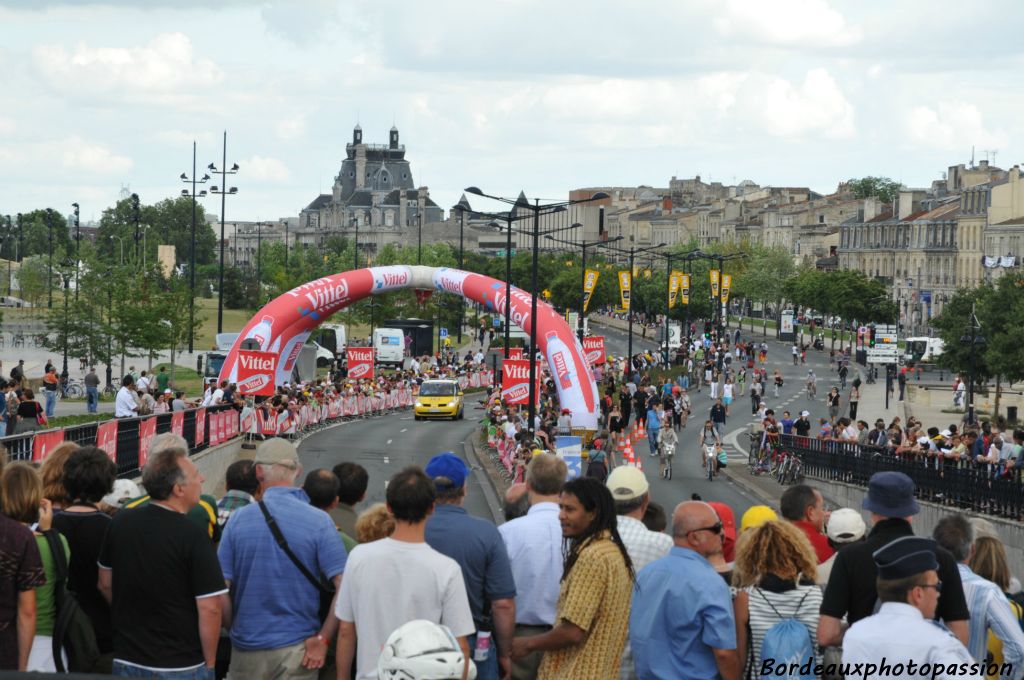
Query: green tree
[[882, 188], [764, 278], [34, 280]]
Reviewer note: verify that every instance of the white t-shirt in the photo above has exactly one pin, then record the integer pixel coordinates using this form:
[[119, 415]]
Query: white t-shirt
[[143, 383], [125, 405], [389, 583]]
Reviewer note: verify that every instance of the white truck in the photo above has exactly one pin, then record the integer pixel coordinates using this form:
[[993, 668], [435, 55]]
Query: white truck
[[922, 350], [389, 346]]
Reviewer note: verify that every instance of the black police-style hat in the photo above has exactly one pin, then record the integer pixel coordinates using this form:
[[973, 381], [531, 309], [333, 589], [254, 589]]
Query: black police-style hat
[[891, 494], [905, 557]]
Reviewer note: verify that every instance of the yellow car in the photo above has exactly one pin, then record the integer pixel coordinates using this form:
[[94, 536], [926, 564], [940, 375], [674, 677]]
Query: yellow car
[[439, 399]]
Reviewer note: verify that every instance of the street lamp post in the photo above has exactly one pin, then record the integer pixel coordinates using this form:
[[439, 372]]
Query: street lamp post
[[120, 243], [192, 250], [137, 219], [224, 192], [110, 322], [583, 274], [462, 304], [66, 276], [976, 341], [536, 209], [669, 257], [78, 247], [419, 237], [49, 282]]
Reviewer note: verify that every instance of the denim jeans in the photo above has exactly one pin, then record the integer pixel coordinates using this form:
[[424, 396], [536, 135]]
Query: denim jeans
[[51, 402], [652, 439], [128, 671], [485, 670], [92, 399]]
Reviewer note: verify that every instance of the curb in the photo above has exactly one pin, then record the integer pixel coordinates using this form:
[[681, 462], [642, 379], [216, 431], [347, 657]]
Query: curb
[[484, 471]]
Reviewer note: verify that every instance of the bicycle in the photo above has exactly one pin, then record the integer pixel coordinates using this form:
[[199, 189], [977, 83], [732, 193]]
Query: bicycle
[[812, 391], [74, 389], [709, 462], [667, 453]]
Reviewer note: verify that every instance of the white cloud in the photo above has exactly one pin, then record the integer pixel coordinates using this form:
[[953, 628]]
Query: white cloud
[[78, 155], [165, 65], [786, 23], [184, 137], [264, 169], [7, 126], [953, 126], [817, 106], [292, 128]]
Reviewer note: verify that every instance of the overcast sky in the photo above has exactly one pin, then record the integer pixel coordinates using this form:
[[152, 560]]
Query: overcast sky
[[505, 94]]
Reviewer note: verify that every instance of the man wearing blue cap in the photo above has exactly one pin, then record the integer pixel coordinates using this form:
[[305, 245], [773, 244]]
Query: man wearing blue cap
[[479, 550], [851, 589], [901, 639]]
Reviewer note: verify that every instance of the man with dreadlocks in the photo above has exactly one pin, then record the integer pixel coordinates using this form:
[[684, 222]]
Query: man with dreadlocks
[[597, 585]]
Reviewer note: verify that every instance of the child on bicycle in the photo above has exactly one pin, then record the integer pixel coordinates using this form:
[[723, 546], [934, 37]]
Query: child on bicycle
[[667, 449]]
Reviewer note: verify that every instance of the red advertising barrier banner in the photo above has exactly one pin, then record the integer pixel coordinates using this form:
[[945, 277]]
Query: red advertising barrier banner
[[593, 347], [178, 423], [515, 381], [256, 371], [360, 363], [147, 430], [106, 437], [45, 442], [200, 427], [515, 353]]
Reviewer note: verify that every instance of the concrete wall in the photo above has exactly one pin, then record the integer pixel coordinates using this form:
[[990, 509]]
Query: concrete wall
[[848, 496], [213, 464]]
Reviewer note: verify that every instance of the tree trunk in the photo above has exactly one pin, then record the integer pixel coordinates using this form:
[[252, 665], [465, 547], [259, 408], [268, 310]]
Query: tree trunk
[[174, 354]]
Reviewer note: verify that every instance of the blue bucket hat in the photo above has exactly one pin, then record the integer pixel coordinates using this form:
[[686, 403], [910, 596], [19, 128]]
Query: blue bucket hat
[[891, 494]]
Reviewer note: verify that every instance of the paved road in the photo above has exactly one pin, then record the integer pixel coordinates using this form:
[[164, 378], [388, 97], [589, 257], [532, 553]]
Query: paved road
[[688, 475], [386, 444]]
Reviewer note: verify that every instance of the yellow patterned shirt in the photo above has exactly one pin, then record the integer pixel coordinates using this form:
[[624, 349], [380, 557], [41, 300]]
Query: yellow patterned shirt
[[596, 597]]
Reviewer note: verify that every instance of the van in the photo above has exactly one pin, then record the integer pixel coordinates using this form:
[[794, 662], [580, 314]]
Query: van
[[922, 350], [389, 346]]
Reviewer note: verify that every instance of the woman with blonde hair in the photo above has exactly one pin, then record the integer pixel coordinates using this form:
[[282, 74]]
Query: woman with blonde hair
[[988, 560], [375, 523], [774, 573], [21, 491], [52, 472]]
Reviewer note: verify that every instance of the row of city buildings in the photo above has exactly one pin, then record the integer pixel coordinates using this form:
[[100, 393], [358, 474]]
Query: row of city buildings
[[965, 228]]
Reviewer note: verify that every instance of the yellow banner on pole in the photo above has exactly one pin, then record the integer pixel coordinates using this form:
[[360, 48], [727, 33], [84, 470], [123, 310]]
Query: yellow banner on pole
[[684, 288], [673, 288], [625, 283], [589, 284], [714, 282], [726, 285], [647, 273]]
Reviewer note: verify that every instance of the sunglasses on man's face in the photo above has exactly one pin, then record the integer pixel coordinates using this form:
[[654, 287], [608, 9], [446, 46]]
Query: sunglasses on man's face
[[715, 529]]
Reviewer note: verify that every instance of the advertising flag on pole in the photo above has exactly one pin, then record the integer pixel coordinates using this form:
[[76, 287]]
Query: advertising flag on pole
[[360, 363], [684, 289], [726, 285], [515, 381], [256, 371], [589, 284], [593, 345], [673, 289], [625, 281], [714, 282]]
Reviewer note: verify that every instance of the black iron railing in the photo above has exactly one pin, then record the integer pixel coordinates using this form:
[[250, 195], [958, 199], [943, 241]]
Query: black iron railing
[[993, 489], [21, 447]]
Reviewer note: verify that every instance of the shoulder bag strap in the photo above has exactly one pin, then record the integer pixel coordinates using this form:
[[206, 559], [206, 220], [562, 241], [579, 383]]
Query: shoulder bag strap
[[60, 566], [279, 537]]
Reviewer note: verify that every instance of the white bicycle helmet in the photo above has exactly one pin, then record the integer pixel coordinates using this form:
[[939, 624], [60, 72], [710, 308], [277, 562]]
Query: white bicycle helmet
[[422, 650]]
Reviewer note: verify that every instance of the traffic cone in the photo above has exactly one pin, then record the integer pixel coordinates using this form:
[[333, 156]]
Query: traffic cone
[[640, 432]]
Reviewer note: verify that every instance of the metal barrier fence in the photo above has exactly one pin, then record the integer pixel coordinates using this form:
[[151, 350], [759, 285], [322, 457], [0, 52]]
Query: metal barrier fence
[[120, 437], [993, 489]]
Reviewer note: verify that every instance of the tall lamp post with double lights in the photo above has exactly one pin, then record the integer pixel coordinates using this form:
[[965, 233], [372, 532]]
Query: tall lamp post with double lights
[[583, 275], [461, 207], [192, 250], [223, 191], [536, 209], [66, 272], [669, 258], [78, 247], [633, 252]]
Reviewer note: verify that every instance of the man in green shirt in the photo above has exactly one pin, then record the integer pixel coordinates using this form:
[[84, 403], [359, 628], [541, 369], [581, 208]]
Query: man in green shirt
[[163, 380]]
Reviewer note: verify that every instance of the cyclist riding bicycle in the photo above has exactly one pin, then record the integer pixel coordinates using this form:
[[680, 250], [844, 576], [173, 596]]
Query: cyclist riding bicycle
[[812, 384], [708, 437]]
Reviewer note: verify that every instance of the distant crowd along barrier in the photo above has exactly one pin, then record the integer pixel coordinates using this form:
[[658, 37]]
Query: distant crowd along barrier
[[127, 440]]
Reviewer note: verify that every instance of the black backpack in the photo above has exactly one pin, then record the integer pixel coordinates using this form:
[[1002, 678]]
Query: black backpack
[[72, 630]]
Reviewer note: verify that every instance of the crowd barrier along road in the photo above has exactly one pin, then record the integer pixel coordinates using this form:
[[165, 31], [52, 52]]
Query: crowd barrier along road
[[127, 440]]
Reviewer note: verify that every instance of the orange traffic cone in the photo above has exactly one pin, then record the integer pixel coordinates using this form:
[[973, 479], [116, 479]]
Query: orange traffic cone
[[640, 432]]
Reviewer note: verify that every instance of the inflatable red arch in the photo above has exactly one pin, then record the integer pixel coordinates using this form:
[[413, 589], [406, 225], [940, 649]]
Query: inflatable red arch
[[284, 324]]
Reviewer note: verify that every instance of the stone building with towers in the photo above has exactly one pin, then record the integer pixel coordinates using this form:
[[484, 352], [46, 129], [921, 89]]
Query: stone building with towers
[[373, 194]]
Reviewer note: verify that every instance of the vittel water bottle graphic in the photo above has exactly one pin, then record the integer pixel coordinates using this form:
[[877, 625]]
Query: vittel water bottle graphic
[[561, 361], [262, 332]]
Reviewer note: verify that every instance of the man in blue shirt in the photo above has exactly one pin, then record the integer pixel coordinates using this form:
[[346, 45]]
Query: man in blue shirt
[[653, 426], [478, 548], [275, 628], [681, 623]]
